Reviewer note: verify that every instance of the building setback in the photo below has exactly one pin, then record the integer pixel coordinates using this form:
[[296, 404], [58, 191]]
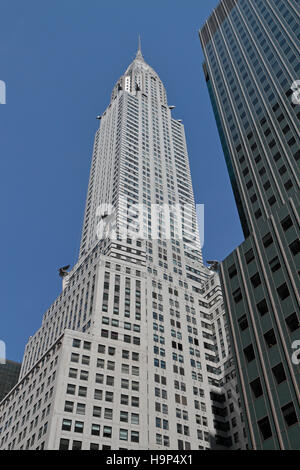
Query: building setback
[[134, 352], [251, 69]]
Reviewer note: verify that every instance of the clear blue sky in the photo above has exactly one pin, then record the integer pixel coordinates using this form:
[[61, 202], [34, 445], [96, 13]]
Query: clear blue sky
[[60, 60]]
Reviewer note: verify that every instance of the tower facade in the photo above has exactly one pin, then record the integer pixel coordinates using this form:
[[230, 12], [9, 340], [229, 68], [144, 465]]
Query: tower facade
[[252, 72], [134, 352]]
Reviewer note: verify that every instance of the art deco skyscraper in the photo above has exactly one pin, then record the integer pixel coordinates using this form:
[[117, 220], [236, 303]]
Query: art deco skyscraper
[[133, 354], [252, 70]]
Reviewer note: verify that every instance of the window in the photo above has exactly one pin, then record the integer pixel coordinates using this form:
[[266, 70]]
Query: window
[[134, 436], [82, 391], [80, 409], [78, 427], [73, 373], [76, 445], [98, 394], [123, 435], [69, 406], [135, 401], [135, 418], [97, 411], [232, 271], [249, 353], [108, 413], [295, 247], [71, 389], [256, 388], [255, 280], [279, 373], [289, 414], [74, 357], [283, 291], [243, 323], [287, 223], [76, 343], [107, 431], [262, 307], [64, 444], [267, 240], [292, 322], [84, 375], [275, 264], [109, 396], [124, 416], [85, 360], [237, 295], [249, 256], [95, 431], [94, 446], [66, 425], [270, 338], [265, 428]]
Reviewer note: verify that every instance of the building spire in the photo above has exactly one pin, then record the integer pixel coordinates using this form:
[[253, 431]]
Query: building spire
[[139, 54]]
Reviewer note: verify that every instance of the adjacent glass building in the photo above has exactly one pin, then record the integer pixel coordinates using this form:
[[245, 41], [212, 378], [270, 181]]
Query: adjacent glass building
[[251, 69], [9, 375]]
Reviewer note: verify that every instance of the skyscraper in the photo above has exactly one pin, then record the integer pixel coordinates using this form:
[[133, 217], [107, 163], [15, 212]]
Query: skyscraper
[[252, 70], [133, 353]]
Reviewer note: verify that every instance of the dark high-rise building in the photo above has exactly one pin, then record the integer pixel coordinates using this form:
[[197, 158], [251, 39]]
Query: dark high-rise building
[[9, 374], [252, 67]]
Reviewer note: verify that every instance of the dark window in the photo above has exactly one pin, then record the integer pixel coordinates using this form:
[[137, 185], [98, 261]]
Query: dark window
[[255, 280], [292, 322], [249, 256], [256, 388], [249, 353], [283, 291], [237, 295], [279, 373], [262, 171], [288, 185], [262, 307], [270, 338], [297, 155], [287, 223], [232, 271], [243, 322], [277, 156], [275, 264], [94, 446], [272, 200], [64, 444], [267, 185], [76, 445], [258, 214], [282, 170], [289, 414], [267, 240], [295, 247], [265, 428]]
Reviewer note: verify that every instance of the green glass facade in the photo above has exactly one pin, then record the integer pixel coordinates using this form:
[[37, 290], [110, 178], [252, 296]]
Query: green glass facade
[[251, 68], [9, 375]]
